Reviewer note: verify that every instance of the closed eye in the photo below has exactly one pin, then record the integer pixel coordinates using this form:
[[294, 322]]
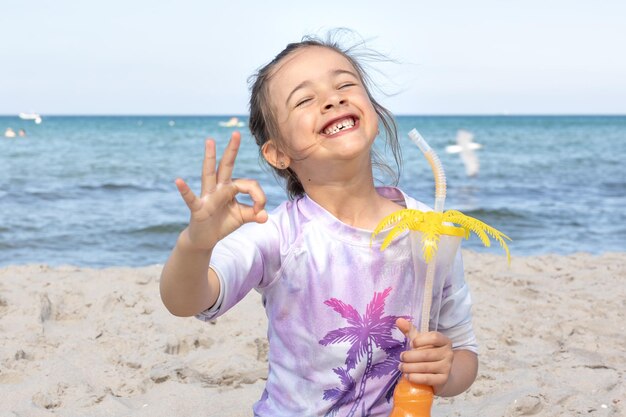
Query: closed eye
[[303, 101], [344, 85]]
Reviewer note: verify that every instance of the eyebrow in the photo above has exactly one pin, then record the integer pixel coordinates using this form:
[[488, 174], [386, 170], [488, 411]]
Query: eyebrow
[[307, 83]]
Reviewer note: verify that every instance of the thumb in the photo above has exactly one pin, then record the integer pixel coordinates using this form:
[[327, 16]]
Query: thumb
[[406, 327]]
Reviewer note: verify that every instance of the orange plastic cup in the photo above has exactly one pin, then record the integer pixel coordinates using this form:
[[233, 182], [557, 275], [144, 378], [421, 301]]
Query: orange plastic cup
[[411, 400]]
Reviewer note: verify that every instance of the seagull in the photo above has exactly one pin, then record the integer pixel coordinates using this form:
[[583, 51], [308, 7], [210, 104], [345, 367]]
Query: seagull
[[466, 148]]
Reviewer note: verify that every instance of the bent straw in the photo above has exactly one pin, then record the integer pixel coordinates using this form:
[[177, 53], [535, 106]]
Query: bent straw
[[415, 400], [440, 198]]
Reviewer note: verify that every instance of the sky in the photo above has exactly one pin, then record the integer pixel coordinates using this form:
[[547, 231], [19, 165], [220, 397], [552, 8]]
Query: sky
[[195, 57]]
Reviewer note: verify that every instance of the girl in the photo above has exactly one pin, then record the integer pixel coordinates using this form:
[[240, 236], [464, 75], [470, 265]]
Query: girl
[[336, 305]]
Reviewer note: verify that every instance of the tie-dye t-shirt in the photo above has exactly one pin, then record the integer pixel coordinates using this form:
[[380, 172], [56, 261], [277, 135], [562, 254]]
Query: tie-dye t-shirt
[[332, 300]]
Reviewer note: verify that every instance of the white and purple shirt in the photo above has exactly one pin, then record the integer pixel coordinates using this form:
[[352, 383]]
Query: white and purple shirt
[[332, 300]]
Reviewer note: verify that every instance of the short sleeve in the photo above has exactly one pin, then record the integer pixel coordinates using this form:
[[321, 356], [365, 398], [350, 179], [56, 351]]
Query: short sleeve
[[243, 261], [455, 314], [211, 313]]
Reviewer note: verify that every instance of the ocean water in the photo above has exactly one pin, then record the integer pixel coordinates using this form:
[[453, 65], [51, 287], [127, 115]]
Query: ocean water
[[99, 191]]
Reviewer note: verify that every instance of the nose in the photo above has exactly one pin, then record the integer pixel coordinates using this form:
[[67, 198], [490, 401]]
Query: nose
[[333, 101]]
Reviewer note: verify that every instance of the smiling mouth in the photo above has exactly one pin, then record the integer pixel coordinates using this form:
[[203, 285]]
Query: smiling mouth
[[339, 125]]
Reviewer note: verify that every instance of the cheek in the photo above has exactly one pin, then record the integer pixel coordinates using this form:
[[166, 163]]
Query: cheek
[[300, 134], [372, 125], [370, 112]]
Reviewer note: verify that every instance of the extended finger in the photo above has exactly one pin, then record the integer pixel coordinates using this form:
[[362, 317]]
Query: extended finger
[[254, 190], [227, 163], [188, 196], [208, 179]]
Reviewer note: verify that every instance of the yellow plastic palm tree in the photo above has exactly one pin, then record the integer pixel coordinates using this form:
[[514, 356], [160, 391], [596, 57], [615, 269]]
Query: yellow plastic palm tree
[[432, 224]]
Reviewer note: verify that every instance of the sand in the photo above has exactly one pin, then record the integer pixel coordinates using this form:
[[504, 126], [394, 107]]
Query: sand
[[98, 342]]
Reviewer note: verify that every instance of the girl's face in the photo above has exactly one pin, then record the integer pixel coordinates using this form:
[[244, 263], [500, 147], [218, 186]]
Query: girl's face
[[322, 108]]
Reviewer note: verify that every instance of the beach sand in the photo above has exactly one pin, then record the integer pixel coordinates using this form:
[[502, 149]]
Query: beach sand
[[89, 342]]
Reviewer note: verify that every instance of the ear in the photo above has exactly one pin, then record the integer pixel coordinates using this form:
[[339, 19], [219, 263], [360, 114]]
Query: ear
[[274, 156]]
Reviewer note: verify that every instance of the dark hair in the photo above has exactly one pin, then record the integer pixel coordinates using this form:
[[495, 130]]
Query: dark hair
[[263, 124]]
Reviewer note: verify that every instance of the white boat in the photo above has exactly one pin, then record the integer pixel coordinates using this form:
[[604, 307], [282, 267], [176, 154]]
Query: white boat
[[233, 122], [30, 116]]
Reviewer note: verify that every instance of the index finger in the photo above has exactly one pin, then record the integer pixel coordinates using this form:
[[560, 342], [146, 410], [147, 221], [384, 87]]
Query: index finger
[[254, 190], [429, 340]]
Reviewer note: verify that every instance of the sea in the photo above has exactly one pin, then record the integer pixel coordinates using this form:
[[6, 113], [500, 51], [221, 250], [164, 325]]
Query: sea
[[99, 191]]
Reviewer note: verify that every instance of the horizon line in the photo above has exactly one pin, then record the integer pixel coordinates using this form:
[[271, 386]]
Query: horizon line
[[395, 115]]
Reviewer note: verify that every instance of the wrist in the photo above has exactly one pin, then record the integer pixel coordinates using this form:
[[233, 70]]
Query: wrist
[[185, 244]]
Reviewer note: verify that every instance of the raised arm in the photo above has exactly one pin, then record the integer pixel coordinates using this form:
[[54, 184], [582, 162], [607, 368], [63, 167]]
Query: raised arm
[[188, 286]]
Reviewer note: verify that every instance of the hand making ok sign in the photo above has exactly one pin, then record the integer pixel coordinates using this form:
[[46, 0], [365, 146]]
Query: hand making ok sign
[[216, 212]]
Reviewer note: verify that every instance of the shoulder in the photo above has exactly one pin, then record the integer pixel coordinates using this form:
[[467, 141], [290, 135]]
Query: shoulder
[[287, 219], [397, 195]]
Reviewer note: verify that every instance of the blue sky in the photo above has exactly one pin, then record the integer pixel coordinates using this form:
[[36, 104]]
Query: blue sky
[[194, 57]]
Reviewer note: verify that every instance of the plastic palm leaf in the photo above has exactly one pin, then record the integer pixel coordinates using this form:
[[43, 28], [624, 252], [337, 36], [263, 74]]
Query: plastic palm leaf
[[482, 230], [399, 220], [393, 218], [392, 235]]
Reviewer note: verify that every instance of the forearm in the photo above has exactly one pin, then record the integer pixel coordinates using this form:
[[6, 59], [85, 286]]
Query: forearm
[[185, 286], [462, 374]]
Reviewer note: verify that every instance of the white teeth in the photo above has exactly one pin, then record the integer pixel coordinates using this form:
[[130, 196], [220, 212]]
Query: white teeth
[[339, 126]]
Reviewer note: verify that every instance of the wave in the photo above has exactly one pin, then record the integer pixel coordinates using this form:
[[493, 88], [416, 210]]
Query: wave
[[496, 214], [71, 191], [158, 229], [111, 186], [614, 188], [47, 195]]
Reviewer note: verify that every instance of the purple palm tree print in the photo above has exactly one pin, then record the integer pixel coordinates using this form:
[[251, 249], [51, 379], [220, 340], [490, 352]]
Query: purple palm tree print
[[364, 333]]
